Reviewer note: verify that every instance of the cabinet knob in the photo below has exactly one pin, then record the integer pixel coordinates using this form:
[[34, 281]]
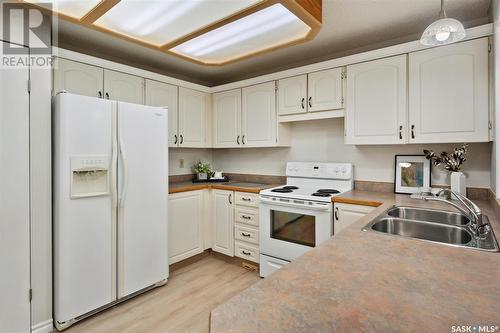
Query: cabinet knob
[[238, 139], [175, 139], [310, 101], [245, 253], [243, 139], [336, 213], [302, 103], [229, 198], [100, 94], [246, 199], [107, 95], [182, 140], [244, 234], [401, 132], [413, 131], [246, 217]]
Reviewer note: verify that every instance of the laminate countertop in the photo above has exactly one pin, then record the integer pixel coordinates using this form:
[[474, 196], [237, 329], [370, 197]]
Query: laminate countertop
[[368, 282], [230, 186]]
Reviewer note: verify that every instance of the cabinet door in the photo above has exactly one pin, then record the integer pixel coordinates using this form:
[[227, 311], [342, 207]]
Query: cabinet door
[[227, 122], [15, 200], [259, 121], [123, 87], [192, 118], [449, 93], [346, 214], [223, 222], [78, 78], [185, 225], [162, 94], [325, 90], [376, 108], [292, 94]]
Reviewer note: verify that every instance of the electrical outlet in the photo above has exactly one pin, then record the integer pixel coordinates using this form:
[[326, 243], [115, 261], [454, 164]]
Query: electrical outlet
[[181, 163]]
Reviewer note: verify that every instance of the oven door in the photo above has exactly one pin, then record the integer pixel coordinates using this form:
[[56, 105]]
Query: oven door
[[288, 230]]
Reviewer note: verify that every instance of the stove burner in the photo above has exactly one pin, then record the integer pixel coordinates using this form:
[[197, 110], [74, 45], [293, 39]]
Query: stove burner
[[290, 187], [321, 194], [328, 190], [282, 190]]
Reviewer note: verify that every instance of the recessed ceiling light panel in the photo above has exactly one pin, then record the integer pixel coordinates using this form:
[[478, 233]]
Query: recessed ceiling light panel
[[72, 8], [262, 30], [159, 22]]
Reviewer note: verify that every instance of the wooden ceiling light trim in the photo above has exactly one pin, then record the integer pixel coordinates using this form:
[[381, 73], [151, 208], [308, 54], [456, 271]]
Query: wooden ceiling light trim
[[308, 11], [102, 8]]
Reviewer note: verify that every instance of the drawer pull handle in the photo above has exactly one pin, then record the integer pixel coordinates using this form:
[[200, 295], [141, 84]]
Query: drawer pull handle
[[245, 234], [246, 253], [246, 199], [246, 217]]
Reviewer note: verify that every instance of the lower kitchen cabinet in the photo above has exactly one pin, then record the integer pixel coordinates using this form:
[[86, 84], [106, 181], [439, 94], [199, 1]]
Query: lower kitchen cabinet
[[246, 226], [186, 219], [347, 214], [223, 222]]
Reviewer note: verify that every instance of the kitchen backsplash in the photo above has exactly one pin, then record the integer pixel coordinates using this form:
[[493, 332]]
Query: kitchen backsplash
[[323, 140]]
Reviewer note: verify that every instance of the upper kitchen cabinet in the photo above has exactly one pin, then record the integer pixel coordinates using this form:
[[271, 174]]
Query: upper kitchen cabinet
[[78, 78], [325, 90], [194, 119], [376, 105], [448, 92], [123, 87], [227, 119], [292, 95], [259, 123], [162, 94]]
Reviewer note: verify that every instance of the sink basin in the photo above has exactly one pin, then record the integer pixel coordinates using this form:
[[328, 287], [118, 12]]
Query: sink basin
[[429, 215], [437, 226], [434, 232]]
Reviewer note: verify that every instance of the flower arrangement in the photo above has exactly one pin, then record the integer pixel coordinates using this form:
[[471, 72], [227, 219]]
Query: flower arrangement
[[452, 162], [202, 169]]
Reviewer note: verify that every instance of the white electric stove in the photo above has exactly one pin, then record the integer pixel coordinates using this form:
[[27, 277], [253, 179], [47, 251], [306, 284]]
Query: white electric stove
[[298, 216]]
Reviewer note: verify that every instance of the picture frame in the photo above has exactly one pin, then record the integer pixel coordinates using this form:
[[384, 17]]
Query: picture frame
[[411, 173]]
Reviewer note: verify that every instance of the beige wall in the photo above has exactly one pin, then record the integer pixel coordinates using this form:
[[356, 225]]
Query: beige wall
[[323, 140], [190, 157]]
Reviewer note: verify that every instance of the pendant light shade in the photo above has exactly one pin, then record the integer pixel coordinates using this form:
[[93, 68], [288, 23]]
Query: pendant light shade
[[443, 31]]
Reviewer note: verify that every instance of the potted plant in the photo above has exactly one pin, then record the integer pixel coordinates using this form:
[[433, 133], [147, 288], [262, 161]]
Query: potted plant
[[452, 162], [202, 170]]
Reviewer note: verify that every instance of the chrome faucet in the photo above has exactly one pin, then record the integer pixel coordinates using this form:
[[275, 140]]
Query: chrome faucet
[[471, 210]]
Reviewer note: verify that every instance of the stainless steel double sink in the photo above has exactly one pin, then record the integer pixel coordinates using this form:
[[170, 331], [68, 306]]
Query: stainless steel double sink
[[438, 226]]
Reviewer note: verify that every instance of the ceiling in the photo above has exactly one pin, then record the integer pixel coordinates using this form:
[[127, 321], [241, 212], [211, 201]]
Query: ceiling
[[349, 26]]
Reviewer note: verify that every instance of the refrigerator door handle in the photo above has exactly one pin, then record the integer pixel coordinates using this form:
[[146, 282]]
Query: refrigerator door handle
[[123, 157]]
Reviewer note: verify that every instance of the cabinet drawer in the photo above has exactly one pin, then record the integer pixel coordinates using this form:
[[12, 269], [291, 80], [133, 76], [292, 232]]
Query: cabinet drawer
[[246, 234], [248, 216], [246, 199], [246, 251]]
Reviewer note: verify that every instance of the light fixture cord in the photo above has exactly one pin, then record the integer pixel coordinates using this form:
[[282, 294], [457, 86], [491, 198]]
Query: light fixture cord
[[442, 13]]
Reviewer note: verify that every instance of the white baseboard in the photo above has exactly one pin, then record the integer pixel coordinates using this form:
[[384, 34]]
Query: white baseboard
[[43, 327]]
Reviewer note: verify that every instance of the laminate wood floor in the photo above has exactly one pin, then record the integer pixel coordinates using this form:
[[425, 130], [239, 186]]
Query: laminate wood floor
[[182, 305]]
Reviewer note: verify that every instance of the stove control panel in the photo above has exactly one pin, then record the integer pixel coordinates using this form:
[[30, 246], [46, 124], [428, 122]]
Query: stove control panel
[[342, 171]]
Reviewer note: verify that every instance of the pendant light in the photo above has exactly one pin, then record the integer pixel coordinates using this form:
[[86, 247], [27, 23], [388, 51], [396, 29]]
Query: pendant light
[[443, 31]]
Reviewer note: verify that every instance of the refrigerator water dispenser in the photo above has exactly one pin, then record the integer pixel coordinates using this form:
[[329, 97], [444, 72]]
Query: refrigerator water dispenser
[[89, 176]]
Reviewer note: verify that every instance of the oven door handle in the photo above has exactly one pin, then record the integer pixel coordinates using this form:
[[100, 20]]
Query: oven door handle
[[317, 206]]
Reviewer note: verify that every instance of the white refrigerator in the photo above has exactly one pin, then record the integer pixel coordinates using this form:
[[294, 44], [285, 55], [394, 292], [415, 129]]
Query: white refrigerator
[[110, 199]]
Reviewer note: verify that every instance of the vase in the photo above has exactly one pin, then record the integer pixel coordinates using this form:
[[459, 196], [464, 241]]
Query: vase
[[458, 182], [202, 176]]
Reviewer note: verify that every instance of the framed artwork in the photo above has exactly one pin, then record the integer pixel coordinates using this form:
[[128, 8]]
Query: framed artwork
[[412, 173]]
